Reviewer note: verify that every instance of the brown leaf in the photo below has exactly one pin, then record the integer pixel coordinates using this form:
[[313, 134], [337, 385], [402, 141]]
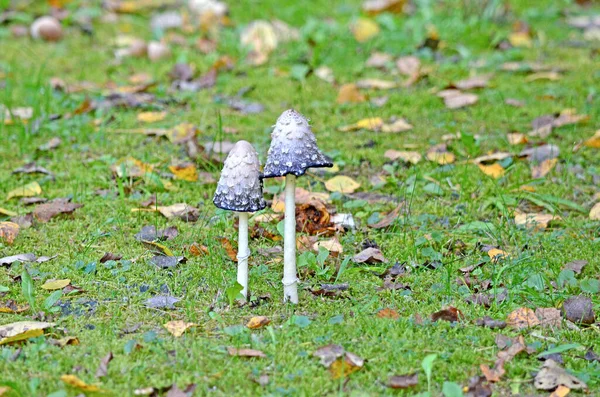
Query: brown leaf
[[577, 266], [346, 365], [9, 232], [226, 244], [178, 327], [349, 93], [258, 322], [535, 221], [403, 381], [370, 255], [579, 310], [183, 211], [388, 313], [314, 218], [450, 314], [388, 219], [44, 212], [407, 157], [594, 141], [472, 82], [103, 367], [376, 7], [11, 307], [493, 374], [542, 169], [553, 375], [198, 250], [522, 318], [109, 256], [245, 352], [454, 99], [490, 323], [549, 317]]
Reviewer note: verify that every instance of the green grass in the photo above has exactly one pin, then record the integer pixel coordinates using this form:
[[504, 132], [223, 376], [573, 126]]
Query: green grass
[[82, 164]]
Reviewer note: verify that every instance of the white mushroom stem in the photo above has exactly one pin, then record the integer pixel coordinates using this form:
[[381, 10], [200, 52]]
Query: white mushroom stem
[[290, 280], [243, 253]]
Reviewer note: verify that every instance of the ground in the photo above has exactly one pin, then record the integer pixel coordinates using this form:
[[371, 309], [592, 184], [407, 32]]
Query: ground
[[450, 214]]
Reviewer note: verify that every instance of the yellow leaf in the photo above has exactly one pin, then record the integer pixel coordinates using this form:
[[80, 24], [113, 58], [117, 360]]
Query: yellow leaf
[[516, 138], [537, 221], [151, 117], [182, 132], [67, 340], [9, 231], [496, 254], [400, 125], [29, 190], [349, 93], [407, 157], [185, 172], [376, 84], [22, 330], [332, 245], [552, 76], [258, 322], [561, 391], [527, 188], [520, 39], [12, 308], [542, 169], [441, 158], [521, 318], [373, 124], [342, 184], [594, 142], [364, 29], [375, 7], [162, 248], [494, 170], [345, 365], [73, 380], [177, 328], [595, 212], [6, 212], [52, 285]]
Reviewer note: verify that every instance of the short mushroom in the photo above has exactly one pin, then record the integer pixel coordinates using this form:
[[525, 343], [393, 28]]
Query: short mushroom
[[293, 150], [240, 189]]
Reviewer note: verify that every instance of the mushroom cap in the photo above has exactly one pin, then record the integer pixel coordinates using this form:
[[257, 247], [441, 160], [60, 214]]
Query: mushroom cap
[[240, 186], [293, 147]]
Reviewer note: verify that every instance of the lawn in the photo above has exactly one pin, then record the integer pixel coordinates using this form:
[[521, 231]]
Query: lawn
[[459, 236]]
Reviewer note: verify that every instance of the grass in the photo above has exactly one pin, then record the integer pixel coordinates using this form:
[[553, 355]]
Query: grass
[[115, 293]]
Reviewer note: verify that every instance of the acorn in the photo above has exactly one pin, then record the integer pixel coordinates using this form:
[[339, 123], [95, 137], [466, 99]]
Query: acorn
[[46, 28]]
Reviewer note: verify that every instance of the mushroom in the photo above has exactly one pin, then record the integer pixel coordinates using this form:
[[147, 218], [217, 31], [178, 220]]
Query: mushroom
[[240, 189], [46, 28], [293, 150]]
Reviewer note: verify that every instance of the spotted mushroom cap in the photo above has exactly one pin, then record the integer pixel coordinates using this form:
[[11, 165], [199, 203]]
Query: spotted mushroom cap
[[293, 147], [240, 187]]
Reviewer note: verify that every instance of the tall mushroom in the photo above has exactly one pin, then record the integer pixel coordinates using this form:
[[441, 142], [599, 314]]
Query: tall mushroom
[[293, 150], [240, 189]]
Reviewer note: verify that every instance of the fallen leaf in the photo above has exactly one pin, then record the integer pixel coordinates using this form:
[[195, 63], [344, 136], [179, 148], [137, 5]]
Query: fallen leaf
[[552, 76], [9, 260], [183, 211], [44, 212], [346, 365], [67, 340], [455, 99], [376, 84], [29, 190], [494, 170], [403, 381], [440, 154], [376, 7], [74, 381], [542, 169], [258, 322], [387, 219], [332, 245], [496, 254], [6, 212], [261, 38], [22, 330], [165, 261], [186, 172], [161, 302], [364, 29], [490, 323], [594, 141], [579, 310], [595, 212], [548, 316], [406, 156], [198, 250], [373, 124], [9, 232], [245, 352], [388, 313], [551, 376], [577, 266], [178, 327], [378, 60], [520, 39], [109, 256], [370, 255], [561, 391], [231, 252], [349, 93], [342, 184], [472, 82], [53, 285], [522, 318], [11, 307], [325, 73], [516, 138], [536, 221], [450, 314], [103, 367], [408, 65]]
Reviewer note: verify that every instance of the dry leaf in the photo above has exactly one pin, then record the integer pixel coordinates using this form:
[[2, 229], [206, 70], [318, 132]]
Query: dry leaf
[[364, 29], [22, 330], [370, 255], [516, 138], [409, 65], [388, 313], [226, 244], [378, 60], [52, 285], [29, 190], [459, 100], [11, 307], [407, 157], [561, 391], [403, 381], [594, 141], [178, 327], [73, 380], [261, 38], [496, 254], [346, 365], [494, 170], [376, 7], [245, 352], [151, 117], [579, 310], [373, 124], [183, 211], [520, 39], [595, 212], [542, 169], [349, 93], [258, 322], [440, 154], [45, 212], [388, 219], [4, 211], [376, 84], [9, 231], [186, 172], [198, 250], [522, 318], [552, 76], [342, 184], [472, 82], [332, 245], [549, 317], [536, 221], [553, 375]]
